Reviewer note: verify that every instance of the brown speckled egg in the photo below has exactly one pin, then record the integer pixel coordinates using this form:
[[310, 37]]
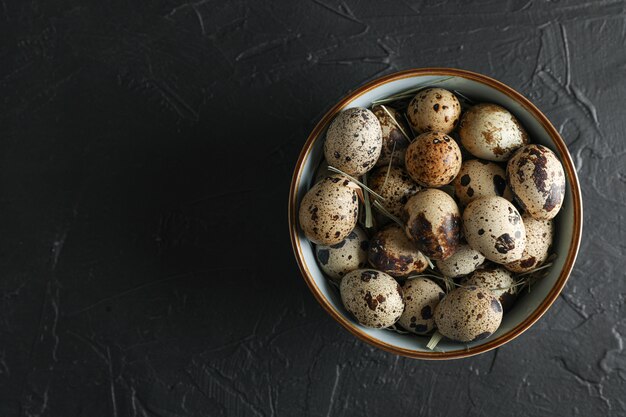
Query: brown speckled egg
[[539, 234], [498, 280], [478, 178], [392, 252], [329, 210], [536, 177], [353, 141], [463, 262], [491, 132], [433, 221], [394, 185], [468, 314], [494, 227], [347, 255], [372, 297], [421, 296], [434, 109], [394, 141], [433, 159]]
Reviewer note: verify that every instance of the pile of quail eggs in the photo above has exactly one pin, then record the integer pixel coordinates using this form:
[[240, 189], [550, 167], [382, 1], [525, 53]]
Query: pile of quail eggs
[[458, 208]]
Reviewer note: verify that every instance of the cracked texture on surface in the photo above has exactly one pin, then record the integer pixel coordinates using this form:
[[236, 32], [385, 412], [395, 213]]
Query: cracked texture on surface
[[146, 150]]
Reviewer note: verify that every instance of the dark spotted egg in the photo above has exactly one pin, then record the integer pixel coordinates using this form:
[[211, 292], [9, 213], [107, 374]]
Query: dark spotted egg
[[478, 178], [392, 252], [433, 159], [434, 109], [349, 254], [494, 227], [463, 262], [498, 280], [394, 140], [539, 234], [394, 185], [421, 296]]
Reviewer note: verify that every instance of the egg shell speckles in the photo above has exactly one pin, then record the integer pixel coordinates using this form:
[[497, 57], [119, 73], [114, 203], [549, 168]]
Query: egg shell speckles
[[329, 210], [421, 297], [498, 280], [494, 227], [433, 222], [347, 255], [372, 297], [392, 252], [396, 188], [491, 132], [468, 314], [434, 109], [539, 235], [394, 141], [433, 159], [537, 180], [478, 178], [353, 141], [463, 262]]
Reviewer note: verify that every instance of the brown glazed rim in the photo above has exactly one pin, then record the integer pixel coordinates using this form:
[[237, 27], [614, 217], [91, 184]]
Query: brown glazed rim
[[569, 170]]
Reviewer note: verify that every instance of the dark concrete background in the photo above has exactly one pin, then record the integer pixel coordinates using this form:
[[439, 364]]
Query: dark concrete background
[[146, 150]]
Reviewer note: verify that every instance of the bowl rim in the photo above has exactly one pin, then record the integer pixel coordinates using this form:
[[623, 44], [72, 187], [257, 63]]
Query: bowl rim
[[567, 165]]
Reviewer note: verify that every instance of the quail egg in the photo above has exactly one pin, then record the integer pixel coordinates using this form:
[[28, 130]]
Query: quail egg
[[498, 280], [494, 227], [539, 234], [421, 296], [467, 314], [394, 140], [392, 252], [463, 262], [345, 256], [372, 297], [329, 210], [478, 178], [433, 159], [536, 178], [433, 222], [434, 109], [394, 185], [491, 132], [354, 141]]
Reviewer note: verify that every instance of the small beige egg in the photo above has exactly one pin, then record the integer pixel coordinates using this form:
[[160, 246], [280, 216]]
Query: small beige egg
[[434, 109], [537, 180], [433, 159], [494, 227], [394, 185], [433, 222], [463, 262], [491, 132], [392, 252], [468, 314], [372, 297], [329, 210], [478, 178], [499, 281], [353, 141], [394, 141], [421, 296], [349, 254], [539, 234]]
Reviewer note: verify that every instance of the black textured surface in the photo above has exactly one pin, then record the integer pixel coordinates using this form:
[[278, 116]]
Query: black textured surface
[[146, 150]]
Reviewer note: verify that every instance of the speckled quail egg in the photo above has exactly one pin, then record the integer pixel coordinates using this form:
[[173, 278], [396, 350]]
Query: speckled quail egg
[[434, 109], [433, 159], [539, 234], [433, 222], [345, 256], [421, 296], [353, 141], [329, 210], [478, 178], [536, 178], [491, 132], [498, 280], [463, 262], [494, 227], [394, 185], [392, 252], [372, 297], [468, 314], [394, 141]]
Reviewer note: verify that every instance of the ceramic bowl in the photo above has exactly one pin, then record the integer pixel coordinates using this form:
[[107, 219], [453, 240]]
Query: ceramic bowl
[[528, 308]]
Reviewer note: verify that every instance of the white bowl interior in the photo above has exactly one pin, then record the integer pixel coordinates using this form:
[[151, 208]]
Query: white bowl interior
[[525, 304]]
